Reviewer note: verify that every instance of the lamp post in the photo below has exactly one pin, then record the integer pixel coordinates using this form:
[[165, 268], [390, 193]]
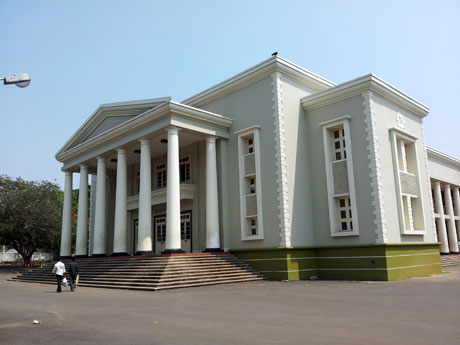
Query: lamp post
[[20, 80]]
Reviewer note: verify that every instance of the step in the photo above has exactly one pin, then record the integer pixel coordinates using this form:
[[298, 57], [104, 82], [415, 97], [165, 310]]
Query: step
[[153, 273]]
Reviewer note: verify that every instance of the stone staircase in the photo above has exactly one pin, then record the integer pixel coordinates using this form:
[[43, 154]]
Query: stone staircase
[[152, 273], [450, 260]]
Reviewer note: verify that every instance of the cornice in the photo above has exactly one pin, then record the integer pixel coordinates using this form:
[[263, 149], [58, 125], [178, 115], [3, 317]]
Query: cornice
[[356, 86], [162, 111], [110, 109], [258, 72], [431, 152]]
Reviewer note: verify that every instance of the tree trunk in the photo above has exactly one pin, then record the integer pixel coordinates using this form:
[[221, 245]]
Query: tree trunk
[[27, 259]]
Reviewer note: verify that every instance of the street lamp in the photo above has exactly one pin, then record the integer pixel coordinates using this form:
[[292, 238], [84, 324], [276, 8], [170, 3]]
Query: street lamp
[[20, 80]]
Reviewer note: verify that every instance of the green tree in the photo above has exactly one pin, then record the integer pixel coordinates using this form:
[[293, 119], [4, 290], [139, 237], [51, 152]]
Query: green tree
[[30, 215]]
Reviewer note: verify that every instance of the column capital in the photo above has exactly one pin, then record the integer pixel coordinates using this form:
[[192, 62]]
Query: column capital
[[211, 139], [172, 129], [120, 150], [83, 166], [447, 185], [144, 141], [100, 159], [68, 173]]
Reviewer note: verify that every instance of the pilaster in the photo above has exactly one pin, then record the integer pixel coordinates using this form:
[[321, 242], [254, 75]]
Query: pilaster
[[375, 174]]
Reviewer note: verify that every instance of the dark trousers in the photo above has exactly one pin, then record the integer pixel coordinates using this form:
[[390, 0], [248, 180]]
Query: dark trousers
[[72, 281], [59, 281]]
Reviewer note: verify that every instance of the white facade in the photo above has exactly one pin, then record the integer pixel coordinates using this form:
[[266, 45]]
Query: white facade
[[274, 157]]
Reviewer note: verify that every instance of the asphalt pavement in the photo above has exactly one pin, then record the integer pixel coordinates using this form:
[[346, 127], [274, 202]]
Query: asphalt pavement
[[415, 311]]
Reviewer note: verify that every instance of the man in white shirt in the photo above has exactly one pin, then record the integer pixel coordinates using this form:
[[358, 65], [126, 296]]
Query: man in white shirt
[[59, 270]]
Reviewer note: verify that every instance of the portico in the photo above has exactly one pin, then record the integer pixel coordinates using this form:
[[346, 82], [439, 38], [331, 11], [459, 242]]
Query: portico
[[144, 167]]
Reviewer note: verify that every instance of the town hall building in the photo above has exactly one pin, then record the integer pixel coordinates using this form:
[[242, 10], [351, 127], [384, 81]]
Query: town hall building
[[296, 175]]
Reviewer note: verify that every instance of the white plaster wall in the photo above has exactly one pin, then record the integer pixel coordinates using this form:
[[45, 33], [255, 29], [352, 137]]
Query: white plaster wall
[[249, 106], [443, 171], [352, 107], [298, 163], [386, 117]]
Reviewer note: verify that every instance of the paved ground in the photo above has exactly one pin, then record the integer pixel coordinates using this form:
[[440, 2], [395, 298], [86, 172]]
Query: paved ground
[[416, 311]]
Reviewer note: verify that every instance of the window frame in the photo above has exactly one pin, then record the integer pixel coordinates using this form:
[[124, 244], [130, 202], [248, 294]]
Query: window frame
[[243, 150], [328, 145], [396, 135]]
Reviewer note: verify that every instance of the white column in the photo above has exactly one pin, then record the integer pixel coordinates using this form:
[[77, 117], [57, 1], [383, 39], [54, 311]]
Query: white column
[[81, 248], [212, 201], [457, 208], [121, 212], [99, 240], [442, 233], [144, 232], [451, 231], [66, 232], [173, 241]]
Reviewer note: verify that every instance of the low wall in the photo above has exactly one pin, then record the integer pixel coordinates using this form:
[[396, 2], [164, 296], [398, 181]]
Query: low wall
[[370, 262], [12, 255]]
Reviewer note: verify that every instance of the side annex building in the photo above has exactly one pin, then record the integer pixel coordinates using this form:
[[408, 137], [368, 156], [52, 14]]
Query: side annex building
[[294, 174]]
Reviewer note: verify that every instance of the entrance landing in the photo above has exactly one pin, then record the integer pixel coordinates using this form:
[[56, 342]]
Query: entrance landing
[[153, 273]]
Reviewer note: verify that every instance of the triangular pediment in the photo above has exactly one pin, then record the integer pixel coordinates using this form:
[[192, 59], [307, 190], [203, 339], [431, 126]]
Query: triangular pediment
[[109, 116]]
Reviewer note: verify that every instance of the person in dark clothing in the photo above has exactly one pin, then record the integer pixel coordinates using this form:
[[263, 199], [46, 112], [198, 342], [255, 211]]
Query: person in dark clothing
[[73, 272]]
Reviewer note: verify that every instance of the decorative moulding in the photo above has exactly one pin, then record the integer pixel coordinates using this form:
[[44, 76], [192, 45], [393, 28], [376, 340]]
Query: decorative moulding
[[258, 72], [359, 85], [281, 161], [111, 109], [168, 110], [431, 152], [375, 174]]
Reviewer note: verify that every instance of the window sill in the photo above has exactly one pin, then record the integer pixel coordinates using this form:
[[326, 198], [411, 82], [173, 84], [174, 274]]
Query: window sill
[[345, 233]]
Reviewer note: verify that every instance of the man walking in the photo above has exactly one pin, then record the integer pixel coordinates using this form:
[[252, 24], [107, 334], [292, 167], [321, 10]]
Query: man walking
[[59, 270], [73, 271]]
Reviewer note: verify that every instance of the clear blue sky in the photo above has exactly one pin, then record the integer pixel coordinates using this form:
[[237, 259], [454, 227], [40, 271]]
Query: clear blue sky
[[84, 53]]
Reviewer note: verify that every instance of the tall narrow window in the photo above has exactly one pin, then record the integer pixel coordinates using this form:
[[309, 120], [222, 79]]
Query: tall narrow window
[[250, 145], [250, 191], [408, 184], [340, 179], [161, 175], [185, 226], [160, 227], [184, 169]]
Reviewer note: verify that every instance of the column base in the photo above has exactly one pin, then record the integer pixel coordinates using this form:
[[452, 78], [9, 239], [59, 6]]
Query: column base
[[213, 250], [172, 251], [66, 257], [454, 253], [120, 254], [144, 253], [99, 255], [81, 256], [445, 253]]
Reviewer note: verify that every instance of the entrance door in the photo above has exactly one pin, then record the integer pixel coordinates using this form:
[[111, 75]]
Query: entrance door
[[160, 233], [185, 232], [135, 229]]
